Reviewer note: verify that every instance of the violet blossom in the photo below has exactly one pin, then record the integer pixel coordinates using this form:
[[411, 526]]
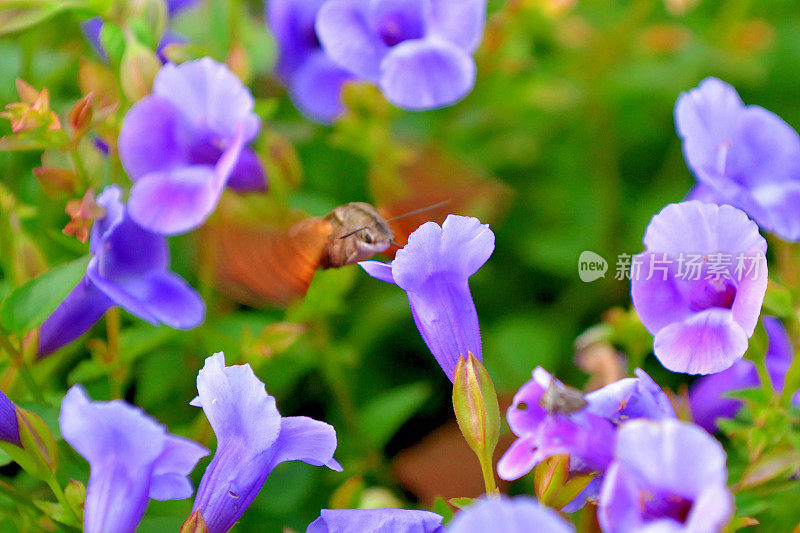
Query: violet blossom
[[434, 270], [744, 156], [587, 435], [419, 52], [185, 142], [521, 514], [376, 521], [699, 286], [252, 439], [313, 80], [132, 459], [706, 395], [129, 268], [666, 476], [9, 424]]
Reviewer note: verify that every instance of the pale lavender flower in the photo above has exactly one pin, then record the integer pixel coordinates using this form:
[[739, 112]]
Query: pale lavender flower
[[699, 285], [129, 268], [184, 143], [741, 155], [706, 395], [252, 438], [132, 459], [376, 521], [434, 270], [9, 424], [313, 80], [667, 476], [587, 435], [521, 514], [419, 52]]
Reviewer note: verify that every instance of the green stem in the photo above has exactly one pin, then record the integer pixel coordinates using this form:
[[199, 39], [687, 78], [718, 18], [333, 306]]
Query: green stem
[[792, 381], [487, 470], [19, 362], [58, 492]]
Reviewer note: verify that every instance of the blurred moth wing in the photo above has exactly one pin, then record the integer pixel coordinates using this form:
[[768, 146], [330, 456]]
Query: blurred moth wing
[[562, 399], [262, 264]]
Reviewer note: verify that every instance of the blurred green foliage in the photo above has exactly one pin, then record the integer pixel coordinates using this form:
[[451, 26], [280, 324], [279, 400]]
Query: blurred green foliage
[[572, 110]]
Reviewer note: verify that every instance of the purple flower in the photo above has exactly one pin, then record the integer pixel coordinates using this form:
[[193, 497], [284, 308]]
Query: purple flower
[[668, 476], [509, 515], [418, 51], [132, 459], [252, 438], [587, 435], [434, 270], [376, 521], [129, 268], [182, 144], [699, 285], [706, 394], [9, 425], [744, 156], [314, 81]]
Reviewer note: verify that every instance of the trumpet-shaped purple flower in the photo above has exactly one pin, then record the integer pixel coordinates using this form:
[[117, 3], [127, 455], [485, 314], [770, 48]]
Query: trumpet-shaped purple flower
[[418, 51], [252, 439], [509, 515], [434, 270], [129, 268], [9, 424], [699, 285], [706, 396], [376, 521], [741, 155], [132, 459], [666, 476], [313, 80], [184, 143], [587, 435]]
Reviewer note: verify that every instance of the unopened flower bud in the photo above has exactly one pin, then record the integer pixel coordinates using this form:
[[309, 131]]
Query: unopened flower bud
[[38, 443], [476, 407], [553, 483], [138, 70], [80, 116], [194, 524], [75, 493]]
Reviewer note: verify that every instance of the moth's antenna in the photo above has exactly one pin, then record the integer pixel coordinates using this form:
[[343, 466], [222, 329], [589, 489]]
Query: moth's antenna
[[395, 244], [418, 211]]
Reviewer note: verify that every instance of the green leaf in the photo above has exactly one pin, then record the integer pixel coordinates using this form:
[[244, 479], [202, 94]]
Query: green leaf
[[17, 15], [461, 503], [770, 466], [441, 507], [57, 512], [28, 306], [383, 416]]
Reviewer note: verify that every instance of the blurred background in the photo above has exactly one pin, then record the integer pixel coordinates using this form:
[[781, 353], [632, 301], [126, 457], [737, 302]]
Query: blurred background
[[566, 144]]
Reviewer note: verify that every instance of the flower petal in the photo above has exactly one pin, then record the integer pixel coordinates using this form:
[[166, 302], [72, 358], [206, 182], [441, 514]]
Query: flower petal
[[446, 317], [292, 23], [179, 457], [378, 270], [706, 399], [376, 521], [79, 311], [175, 202], [657, 299], [209, 95], [426, 74], [518, 460], [316, 88], [154, 137], [169, 299], [305, 439], [343, 29], [509, 515], [248, 174], [705, 343], [9, 424], [460, 23]]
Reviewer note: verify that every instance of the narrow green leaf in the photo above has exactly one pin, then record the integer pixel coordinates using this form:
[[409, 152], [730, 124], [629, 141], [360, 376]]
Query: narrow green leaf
[[384, 415], [28, 306], [17, 15]]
